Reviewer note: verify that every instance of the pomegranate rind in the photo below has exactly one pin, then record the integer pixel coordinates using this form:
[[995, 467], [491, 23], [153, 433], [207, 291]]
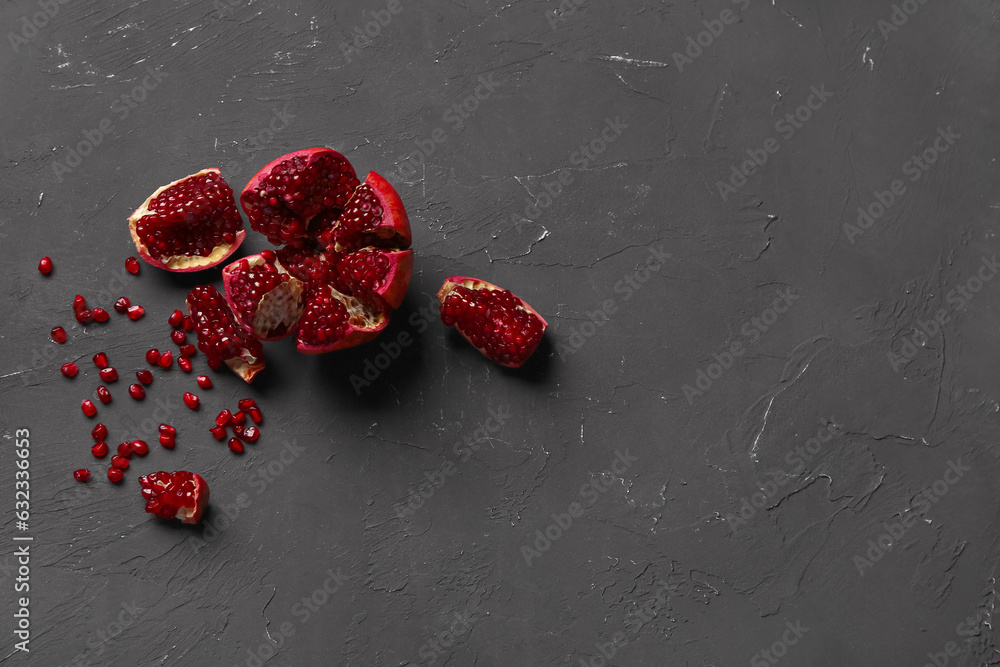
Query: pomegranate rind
[[192, 515], [181, 263], [476, 284], [367, 318], [282, 304]]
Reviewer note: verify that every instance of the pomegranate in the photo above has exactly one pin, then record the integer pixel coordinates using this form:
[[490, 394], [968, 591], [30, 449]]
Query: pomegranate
[[116, 474], [99, 432], [220, 337], [497, 323], [235, 445], [136, 391], [122, 304], [191, 400], [132, 265], [175, 318], [120, 462], [153, 357], [140, 447], [108, 374], [82, 475], [69, 369], [218, 432], [45, 265], [263, 296], [103, 394], [136, 312], [184, 364], [124, 450], [144, 376], [58, 334], [88, 407], [101, 315], [175, 495], [188, 225], [204, 381], [99, 450]]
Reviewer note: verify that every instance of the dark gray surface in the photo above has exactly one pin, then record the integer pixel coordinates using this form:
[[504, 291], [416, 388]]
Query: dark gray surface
[[653, 557]]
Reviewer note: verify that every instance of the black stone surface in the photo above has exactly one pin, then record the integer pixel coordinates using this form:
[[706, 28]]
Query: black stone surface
[[575, 154]]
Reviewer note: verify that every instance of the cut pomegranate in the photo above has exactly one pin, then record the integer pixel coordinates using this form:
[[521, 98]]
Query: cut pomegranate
[[136, 312], [101, 360], [153, 357], [99, 432], [220, 337], [144, 376], [116, 474], [204, 381], [124, 450], [100, 450], [184, 364], [132, 265], [175, 495], [103, 394], [497, 323], [119, 462], [122, 304], [263, 296], [384, 272], [108, 374], [140, 447], [188, 225], [81, 475], [58, 334], [166, 359], [235, 445], [175, 318], [101, 315], [334, 321], [219, 432], [136, 391], [69, 369], [88, 407], [191, 400], [45, 265]]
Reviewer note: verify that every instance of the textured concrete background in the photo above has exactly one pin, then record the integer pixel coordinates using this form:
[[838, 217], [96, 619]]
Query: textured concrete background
[[746, 440]]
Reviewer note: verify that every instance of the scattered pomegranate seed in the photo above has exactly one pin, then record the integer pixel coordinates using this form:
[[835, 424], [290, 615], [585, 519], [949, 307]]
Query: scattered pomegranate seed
[[235, 445], [191, 400], [136, 312], [101, 360], [109, 374], [100, 450], [58, 334], [99, 432], [136, 391], [85, 316], [239, 419], [119, 462], [184, 364], [45, 266], [246, 403], [204, 382], [122, 304], [167, 429], [81, 475], [178, 336], [79, 303], [219, 432], [69, 369], [187, 323], [175, 318], [166, 359], [153, 356], [115, 474], [250, 434], [132, 265], [223, 418], [88, 407], [140, 447], [144, 376], [238, 430], [256, 415], [101, 315], [189, 350], [167, 441], [124, 450], [103, 394]]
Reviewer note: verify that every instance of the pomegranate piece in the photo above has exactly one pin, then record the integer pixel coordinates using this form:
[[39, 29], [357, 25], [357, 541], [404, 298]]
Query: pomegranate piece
[[266, 300], [132, 265], [235, 445], [124, 450], [374, 215], [140, 447], [136, 391], [218, 432], [108, 374], [166, 359], [178, 336], [58, 334], [153, 357], [136, 312], [101, 315], [220, 337], [175, 495], [175, 318], [116, 474], [184, 364], [99, 432], [188, 225], [204, 381], [384, 272], [119, 462], [334, 321], [191, 400], [103, 394], [100, 450], [497, 323], [69, 369], [81, 475], [144, 376], [122, 304], [168, 441], [88, 407], [45, 266]]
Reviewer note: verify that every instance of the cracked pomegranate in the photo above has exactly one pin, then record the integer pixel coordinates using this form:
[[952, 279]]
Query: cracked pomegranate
[[175, 495], [219, 336]]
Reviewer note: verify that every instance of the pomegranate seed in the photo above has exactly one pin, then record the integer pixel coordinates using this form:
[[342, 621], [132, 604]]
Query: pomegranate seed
[[166, 359], [189, 350], [119, 462], [175, 318], [100, 450], [85, 316], [79, 303], [122, 304], [219, 432], [184, 364], [69, 369], [167, 441], [223, 418], [178, 336], [45, 266], [101, 360], [140, 447], [238, 430], [136, 391], [250, 434], [235, 445], [144, 376], [124, 450], [81, 475], [204, 382], [115, 474], [99, 432], [103, 394], [246, 403], [239, 419], [187, 323], [58, 334], [132, 265], [101, 315], [153, 356], [109, 374], [256, 415], [167, 429], [191, 400], [88, 407], [136, 312]]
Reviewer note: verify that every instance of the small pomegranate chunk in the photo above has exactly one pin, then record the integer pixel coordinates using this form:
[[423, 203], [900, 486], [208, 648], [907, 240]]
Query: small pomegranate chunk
[[45, 266], [264, 297], [100, 450], [99, 432], [136, 312], [116, 474], [175, 495], [250, 434], [144, 376], [101, 315], [235, 445], [497, 323], [69, 369], [140, 447], [166, 359], [153, 357], [132, 265], [124, 450], [122, 304], [88, 407], [136, 391], [191, 400], [175, 318], [256, 415], [101, 360], [109, 374], [220, 337], [103, 394], [58, 334], [204, 381], [119, 462], [334, 321], [184, 364], [81, 475], [168, 441]]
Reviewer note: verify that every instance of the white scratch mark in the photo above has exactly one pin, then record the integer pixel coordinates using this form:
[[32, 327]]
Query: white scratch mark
[[865, 58], [753, 450], [633, 61]]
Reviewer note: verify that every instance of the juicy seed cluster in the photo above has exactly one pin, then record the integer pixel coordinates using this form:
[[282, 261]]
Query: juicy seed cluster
[[494, 321], [365, 268], [324, 319], [190, 218], [166, 492], [305, 265], [363, 213], [219, 337], [250, 284]]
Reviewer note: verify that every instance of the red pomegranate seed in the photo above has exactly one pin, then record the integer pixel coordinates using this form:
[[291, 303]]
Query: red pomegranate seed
[[103, 394], [184, 364], [45, 266], [115, 474], [88, 407], [166, 359], [250, 434], [238, 430], [136, 391], [132, 265], [109, 374], [144, 376], [219, 432], [239, 419], [58, 334], [223, 418], [101, 315], [99, 432], [178, 336], [124, 450], [246, 403], [235, 446], [204, 382], [81, 475], [140, 447], [187, 323], [69, 369], [256, 415], [79, 303], [175, 318], [189, 350], [100, 450], [101, 360], [153, 356], [119, 462], [85, 316], [136, 312], [167, 441], [122, 304], [191, 400], [167, 429]]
